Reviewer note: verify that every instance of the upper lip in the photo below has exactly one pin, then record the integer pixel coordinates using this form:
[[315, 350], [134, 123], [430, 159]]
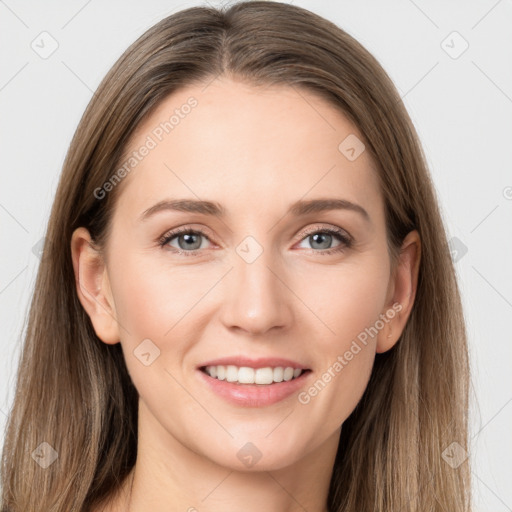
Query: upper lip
[[261, 362]]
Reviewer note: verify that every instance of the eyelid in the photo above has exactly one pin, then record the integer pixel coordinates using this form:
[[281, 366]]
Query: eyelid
[[346, 238], [327, 228], [175, 232]]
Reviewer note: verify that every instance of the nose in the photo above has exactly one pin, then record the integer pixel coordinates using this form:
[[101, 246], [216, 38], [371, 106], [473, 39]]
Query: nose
[[256, 298]]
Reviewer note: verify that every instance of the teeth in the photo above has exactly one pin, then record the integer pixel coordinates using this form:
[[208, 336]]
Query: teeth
[[263, 376], [288, 373], [278, 374], [246, 375], [231, 373]]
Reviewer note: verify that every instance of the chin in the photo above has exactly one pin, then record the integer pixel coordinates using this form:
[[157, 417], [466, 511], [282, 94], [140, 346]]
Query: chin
[[257, 455]]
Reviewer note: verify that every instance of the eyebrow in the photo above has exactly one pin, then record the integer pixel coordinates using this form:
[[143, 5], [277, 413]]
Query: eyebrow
[[301, 207]]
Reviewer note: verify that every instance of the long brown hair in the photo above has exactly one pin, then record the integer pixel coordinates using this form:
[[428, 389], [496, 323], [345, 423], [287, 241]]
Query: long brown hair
[[74, 392]]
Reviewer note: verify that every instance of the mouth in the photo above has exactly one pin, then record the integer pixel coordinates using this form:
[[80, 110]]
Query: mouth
[[246, 375], [254, 383]]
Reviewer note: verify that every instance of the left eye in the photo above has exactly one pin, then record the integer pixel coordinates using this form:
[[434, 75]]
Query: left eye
[[324, 239]]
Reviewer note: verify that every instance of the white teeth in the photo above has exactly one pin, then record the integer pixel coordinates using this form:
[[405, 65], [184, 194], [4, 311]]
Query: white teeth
[[278, 374], [288, 373], [264, 376], [247, 375], [231, 373]]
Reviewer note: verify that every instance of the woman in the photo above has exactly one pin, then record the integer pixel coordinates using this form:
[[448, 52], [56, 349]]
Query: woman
[[189, 345]]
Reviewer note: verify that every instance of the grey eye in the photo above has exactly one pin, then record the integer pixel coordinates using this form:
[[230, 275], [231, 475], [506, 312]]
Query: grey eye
[[322, 239], [191, 241]]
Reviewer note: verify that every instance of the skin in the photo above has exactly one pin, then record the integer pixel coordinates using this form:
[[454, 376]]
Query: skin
[[255, 151]]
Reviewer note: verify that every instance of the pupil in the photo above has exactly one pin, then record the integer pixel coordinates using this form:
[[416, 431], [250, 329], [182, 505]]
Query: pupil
[[189, 241], [324, 236]]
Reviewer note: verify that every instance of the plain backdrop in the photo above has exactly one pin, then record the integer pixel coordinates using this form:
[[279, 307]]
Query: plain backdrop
[[451, 63]]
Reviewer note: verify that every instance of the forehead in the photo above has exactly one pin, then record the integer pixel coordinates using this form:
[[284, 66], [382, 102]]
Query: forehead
[[247, 147]]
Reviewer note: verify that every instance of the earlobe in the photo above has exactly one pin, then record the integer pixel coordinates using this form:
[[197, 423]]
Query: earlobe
[[403, 286], [93, 286]]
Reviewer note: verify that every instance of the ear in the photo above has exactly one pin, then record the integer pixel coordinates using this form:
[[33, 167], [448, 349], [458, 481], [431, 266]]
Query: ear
[[401, 292], [93, 286]]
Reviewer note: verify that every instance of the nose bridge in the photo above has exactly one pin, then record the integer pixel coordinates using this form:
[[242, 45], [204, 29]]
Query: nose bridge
[[256, 297]]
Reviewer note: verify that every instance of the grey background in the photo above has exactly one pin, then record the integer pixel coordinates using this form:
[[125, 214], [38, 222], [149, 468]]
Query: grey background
[[461, 106]]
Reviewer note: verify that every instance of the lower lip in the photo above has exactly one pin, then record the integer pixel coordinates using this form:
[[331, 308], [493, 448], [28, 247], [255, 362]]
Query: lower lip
[[254, 395]]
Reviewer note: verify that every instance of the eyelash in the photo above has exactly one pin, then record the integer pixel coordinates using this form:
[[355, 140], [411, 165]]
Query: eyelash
[[346, 241]]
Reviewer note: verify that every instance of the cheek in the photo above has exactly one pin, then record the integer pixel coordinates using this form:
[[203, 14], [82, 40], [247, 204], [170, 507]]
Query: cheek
[[347, 302], [156, 302], [164, 303], [152, 297], [344, 300]]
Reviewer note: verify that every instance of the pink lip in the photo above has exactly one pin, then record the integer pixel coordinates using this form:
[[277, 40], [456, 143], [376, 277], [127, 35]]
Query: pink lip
[[255, 395], [262, 362]]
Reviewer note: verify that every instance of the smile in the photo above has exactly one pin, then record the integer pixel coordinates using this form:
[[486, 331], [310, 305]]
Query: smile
[[248, 375], [243, 390]]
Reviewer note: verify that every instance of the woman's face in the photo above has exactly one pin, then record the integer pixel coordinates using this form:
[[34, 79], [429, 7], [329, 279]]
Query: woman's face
[[264, 279]]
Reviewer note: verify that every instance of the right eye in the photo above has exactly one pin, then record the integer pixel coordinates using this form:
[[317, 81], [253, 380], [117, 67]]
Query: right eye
[[189, 241]]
